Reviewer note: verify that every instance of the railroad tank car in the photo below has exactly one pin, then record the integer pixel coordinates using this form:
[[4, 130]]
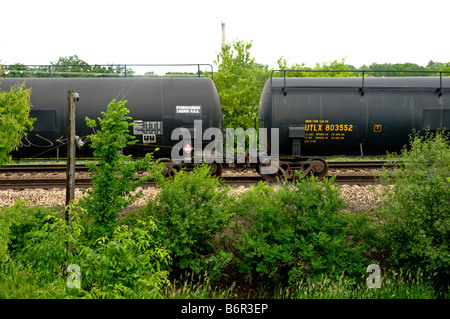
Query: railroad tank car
[[157, 106], [350, 116]]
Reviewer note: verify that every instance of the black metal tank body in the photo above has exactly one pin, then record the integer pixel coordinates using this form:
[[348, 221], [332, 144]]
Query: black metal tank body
[[157, 106], [351, 116]]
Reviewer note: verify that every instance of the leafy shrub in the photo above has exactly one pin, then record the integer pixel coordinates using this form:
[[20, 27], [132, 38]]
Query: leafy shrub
[[47, 248], [415, 211], [4, 238], [16, 224], [14, 119], [297, 232], [113, 177], [23, 218], [190, 209], [131, 264]]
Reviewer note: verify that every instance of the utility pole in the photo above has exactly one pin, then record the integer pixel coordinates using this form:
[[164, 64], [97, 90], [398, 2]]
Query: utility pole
[[223, 33], [70, 178]]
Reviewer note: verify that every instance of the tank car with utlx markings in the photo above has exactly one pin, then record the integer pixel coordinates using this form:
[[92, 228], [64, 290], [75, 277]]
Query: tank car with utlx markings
[[349, 116], [157, 106]]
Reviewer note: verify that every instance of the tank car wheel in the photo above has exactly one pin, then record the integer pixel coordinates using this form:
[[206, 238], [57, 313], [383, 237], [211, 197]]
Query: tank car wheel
[[268, 177], [216, 169], [277, 178], [168, 168], [319, 170]]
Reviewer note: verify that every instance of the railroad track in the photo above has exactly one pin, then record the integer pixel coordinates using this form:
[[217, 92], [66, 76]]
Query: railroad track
[[47, 183], [24, 168], [357, 164], [86, 182], [27, 183], [28, 168]]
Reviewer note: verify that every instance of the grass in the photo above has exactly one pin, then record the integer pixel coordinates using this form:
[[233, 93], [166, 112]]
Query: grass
[[393, 286], [189, 287], [19, 282], [22, 283]]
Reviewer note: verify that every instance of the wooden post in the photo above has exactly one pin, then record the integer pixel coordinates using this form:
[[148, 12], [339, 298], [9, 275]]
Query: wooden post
[[223, 34], [70, 180]]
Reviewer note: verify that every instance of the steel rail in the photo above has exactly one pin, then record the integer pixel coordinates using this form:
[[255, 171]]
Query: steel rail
[[82, 167], [46, 183], [358, 164], [229, 180]]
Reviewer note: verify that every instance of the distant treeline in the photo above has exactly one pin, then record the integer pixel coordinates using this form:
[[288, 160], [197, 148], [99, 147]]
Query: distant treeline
[[73, 66], [406, 69]]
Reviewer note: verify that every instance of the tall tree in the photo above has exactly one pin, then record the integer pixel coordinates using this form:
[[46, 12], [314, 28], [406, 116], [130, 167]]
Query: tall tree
[[14, 120], [445, 67], [239, 81], [66, 66]]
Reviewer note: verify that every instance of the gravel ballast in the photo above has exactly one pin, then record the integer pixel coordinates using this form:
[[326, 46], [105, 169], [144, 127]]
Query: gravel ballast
[[360, 198]]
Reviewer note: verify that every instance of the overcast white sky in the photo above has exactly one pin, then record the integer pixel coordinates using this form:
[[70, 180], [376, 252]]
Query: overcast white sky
[[176, 31]]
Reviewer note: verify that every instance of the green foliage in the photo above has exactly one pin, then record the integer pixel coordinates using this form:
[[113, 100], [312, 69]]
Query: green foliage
[[196, 287], [416, 211], [393, 286], [65, 67], [297, 232], [113, 176], [14, 120], [191, 209], [404, 69], [239, 81], [19, 281], [333, 67], [16, 224], [4, 238], [19, 220], [123, 262], [73, 66], [46, 249], [445, 67], [129, 262], [19, 70]]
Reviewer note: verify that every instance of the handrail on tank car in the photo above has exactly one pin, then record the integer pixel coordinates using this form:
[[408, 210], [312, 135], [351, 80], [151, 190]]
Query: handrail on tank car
[[362, 74], [49, 67]]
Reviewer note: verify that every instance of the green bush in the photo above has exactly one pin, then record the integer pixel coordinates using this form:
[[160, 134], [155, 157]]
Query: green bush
[[297, 232], [14, 120], [35, 252], [113, 176], [415, 210], [17, 221], [47, 249], [130, 264], [4, 239], [191, 209]]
